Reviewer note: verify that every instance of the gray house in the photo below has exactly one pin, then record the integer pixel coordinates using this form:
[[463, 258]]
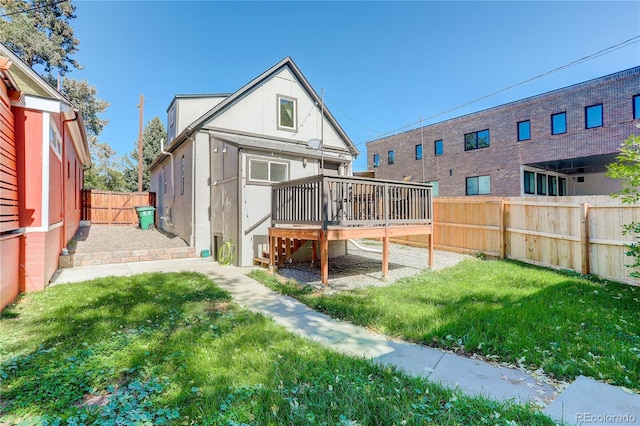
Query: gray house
[[224, 151]]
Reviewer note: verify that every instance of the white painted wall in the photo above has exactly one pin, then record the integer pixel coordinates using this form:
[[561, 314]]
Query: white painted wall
[[594, 184], [184, 110], [202, 195]]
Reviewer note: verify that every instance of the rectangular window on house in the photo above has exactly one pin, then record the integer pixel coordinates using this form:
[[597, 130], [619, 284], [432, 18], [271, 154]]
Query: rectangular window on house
[[391, 158], [287, 117], [559, 123], [476, 140], [552, 185], [438, 148], [524, 130], [593, 116], [529, 182], [636, 107], [419, 152], [541, 184], [562, 187], [182, 176], [268, 171], [478, 185], [376, 160]]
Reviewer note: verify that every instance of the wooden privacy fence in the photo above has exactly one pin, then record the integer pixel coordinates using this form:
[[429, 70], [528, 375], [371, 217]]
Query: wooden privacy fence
[[114, 208], [584, 234]]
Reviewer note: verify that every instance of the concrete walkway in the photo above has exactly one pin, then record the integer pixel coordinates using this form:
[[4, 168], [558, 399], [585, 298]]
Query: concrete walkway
[[585, 401]]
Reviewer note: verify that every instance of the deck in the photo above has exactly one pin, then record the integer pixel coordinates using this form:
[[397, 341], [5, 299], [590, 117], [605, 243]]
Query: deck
[[323, 208]]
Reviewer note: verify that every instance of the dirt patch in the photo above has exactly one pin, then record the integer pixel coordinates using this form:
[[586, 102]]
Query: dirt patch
[[104, 238]]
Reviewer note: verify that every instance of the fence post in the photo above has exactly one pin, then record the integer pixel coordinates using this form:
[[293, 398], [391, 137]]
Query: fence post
[[584, 238]]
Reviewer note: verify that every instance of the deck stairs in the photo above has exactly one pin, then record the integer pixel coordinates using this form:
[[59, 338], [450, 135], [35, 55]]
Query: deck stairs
[[285, 249]]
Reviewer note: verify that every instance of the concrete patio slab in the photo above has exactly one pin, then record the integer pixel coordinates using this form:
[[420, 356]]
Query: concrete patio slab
[[477, 377], [587, 401]]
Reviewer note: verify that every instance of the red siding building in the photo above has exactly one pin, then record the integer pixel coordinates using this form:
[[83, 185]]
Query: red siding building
[[43, 150]]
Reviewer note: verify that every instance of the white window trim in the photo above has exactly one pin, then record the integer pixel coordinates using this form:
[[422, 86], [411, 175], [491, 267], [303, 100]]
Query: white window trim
[[295, 113], [55, 141], [269, 163]]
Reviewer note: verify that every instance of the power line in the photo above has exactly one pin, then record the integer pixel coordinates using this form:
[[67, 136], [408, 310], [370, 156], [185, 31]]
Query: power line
[[41, 6], [605, 51]]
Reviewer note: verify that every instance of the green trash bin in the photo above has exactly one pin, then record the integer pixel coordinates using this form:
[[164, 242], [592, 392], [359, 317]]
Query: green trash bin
[[146, 216]]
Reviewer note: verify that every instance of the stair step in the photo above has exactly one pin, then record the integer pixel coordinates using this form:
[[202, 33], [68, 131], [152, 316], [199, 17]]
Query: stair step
[[261, 261]]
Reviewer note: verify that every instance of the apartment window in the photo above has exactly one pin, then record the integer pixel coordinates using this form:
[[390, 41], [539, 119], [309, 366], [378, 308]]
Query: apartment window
[[287, 113], [559, 123], [268, 171], [541, 184], [524, 130], [636, 107], [376, 160], [476, 140], [529, 182], [438, 148], [391, 158], [562, 186], [182, 176], [552, 185], [479, 185], [434, 187], [419, 152], [593, 116]]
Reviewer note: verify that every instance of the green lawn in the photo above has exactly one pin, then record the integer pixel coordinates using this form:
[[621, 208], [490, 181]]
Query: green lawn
[[506, 311], [174, 349]]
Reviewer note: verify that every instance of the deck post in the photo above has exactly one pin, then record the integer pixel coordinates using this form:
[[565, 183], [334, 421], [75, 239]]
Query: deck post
[[314, 253], [272, 251], [385, 255], [324, 258]]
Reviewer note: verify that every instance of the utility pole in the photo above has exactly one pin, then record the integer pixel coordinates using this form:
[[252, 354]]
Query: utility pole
[[141, 106]]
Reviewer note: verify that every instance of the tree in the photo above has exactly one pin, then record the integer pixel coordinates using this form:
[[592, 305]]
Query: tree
[[626, 169], [39, 33], [153, 133]]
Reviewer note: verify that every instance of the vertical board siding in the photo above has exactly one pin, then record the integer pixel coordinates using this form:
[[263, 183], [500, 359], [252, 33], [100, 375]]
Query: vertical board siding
[[9, 214], [114, 208], [584, 234], [9, 260]]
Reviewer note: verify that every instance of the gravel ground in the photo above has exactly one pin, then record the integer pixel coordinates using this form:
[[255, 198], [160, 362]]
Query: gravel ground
[[100, 238], [362, 268]]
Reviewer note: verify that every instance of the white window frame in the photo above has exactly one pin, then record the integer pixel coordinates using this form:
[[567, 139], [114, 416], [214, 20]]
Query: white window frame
[[55, 141], [280, 126], [251, 161]]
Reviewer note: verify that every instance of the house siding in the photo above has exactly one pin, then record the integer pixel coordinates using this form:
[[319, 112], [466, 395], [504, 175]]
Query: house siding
[[504, 159]]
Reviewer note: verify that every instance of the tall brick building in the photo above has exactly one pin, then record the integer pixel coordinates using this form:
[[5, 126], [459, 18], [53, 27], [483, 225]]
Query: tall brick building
[[555, 143]]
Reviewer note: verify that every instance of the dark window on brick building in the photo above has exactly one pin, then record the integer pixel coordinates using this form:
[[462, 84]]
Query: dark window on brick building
[[476, 140], [559, 123], [391, 158], [419, 152], [552, 185], [541, 184], [478, 185], [593, 116], [636, 107], [529, 182], [438, 147], [524, 130], [376, 160], [562, 187]]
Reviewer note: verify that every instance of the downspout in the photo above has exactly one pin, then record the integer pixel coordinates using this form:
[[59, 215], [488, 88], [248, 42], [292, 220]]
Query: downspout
[[239, 198], [370, 250], [63, 205], [173, 189], [192, 241]]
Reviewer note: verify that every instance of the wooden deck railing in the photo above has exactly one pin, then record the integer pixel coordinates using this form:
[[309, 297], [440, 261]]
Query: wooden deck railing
[[349, 201]]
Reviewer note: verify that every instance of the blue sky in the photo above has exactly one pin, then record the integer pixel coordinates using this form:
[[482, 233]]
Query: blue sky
[[382, 65]]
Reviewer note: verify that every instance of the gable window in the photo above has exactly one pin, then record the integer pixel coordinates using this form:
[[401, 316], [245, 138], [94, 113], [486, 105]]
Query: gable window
[[438, 148], [419, 152], [376, 160], [529, 182], [287, 119], [268, 171], [478, 185], [593, 116], [636, 107], [391, 158], [476, 140], [524, 130], [559, 123]]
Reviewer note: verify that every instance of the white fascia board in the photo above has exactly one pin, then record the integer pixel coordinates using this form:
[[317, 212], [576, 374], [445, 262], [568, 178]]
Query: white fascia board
[[41, 104]]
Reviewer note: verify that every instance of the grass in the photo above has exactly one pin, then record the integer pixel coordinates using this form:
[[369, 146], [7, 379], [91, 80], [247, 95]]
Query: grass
[[510, 312], [174, 349]]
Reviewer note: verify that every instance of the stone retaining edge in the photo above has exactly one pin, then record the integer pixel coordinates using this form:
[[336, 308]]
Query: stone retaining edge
[[123, 256]]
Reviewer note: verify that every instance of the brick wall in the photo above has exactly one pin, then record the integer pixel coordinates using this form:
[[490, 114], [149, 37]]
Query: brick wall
[[502, 160]]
